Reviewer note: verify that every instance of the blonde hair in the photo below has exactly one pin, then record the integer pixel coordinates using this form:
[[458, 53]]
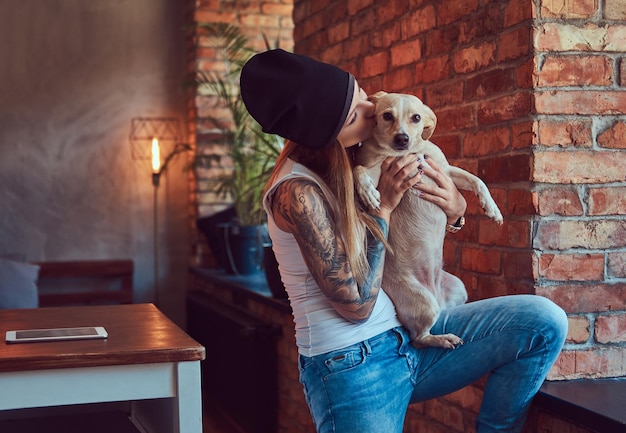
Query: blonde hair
[[333, 165]]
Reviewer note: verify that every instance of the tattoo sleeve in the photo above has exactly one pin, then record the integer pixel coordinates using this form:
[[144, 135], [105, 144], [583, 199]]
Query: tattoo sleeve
[[375, 259]]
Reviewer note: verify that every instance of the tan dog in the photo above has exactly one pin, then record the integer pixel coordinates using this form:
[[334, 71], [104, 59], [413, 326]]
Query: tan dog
[[414, 277]]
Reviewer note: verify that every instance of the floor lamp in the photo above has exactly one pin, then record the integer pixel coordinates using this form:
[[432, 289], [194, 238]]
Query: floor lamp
[[149, 136]]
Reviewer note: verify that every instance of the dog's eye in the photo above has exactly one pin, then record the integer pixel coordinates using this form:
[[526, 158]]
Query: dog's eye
[[416, 118], [388, 117]]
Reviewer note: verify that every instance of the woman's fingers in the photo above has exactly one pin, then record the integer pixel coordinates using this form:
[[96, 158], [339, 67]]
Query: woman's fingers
[[444, 193]]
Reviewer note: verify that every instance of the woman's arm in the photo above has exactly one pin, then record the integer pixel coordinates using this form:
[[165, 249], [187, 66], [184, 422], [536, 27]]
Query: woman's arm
[[300, 208]]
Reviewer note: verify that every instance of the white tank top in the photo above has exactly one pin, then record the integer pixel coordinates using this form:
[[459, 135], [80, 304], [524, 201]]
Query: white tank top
[[319, 328]]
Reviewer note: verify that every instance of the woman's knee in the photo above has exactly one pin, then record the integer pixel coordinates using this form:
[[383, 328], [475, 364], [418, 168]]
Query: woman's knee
[[550, 316]]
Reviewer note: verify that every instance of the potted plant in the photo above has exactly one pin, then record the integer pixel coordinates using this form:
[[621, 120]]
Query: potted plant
[[251, 151]]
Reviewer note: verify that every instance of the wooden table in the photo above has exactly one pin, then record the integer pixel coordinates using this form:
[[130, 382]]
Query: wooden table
[[146, 359]]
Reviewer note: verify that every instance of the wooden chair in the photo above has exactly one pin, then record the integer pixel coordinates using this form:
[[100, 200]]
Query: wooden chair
[[85, 282]]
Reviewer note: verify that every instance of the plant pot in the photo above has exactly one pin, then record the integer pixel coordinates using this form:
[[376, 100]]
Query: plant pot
[[244, 248], [272, 274]]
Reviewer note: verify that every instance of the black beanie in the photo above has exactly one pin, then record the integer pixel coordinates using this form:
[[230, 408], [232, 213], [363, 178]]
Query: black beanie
[[297, 97]]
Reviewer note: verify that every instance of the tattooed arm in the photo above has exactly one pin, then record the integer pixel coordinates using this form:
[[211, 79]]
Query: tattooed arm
[[300, 208]]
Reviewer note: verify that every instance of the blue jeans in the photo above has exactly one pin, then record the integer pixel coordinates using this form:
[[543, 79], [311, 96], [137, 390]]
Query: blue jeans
[[368, 386]]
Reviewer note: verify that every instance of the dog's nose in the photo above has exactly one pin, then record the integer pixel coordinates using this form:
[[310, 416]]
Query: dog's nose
[[401, 141]]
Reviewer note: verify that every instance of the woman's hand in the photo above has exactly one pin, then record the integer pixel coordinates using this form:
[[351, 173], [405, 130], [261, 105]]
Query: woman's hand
[[396, 177], [445, 194]]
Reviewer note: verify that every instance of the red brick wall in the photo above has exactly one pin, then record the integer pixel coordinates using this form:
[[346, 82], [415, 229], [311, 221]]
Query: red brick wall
[[530, 96], [579, 179], [255, 19]]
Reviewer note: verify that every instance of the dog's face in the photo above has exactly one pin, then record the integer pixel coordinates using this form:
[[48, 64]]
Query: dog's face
[[402, 122]]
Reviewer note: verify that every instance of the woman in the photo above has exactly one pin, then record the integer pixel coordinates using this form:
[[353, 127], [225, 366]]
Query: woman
[[357, 366]]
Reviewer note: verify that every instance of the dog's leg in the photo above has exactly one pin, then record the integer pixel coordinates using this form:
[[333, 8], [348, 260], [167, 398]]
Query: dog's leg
[[467, 181], [366, 188], [418, 310], [452, 291]]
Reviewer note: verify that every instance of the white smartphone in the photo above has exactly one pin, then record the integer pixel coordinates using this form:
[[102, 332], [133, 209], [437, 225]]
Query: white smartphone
[[57, 334]]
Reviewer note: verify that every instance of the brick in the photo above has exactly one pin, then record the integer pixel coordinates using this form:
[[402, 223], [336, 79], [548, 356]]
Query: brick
[[590, 363], [514, 44], [486, 142], [622, 72], [441, 40], [610, 328], [504, 108], [450, 94], [513, 168], [514, 234], [572, 267], [481, 260], [616, 36], [578, 329], [607, 201], [384, 37], [517, 265], [355, 6], [607, 362], [338, 32], [555, 131], [579, 167], [568, 9], [564, 366], [406, 53], [281, 9], [474, 58], [489, 84], [419, 21], [585, 102], [449, 143], [374, 64], [520, 203], [586, 298], [559, 201], [615, 9], [576, 71], [568, 37], [617, 265], [436, 69], [453, 119], [523, 133], [485, 23], [389, 10], [589, 234], [399, 80], [201, 16], [517, 11], [259, 20], [613, 137], [448, 12]]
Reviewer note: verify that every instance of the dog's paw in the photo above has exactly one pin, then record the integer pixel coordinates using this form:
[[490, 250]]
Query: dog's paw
[[495, 214], [447, 341], [491, 209], [366, 189]]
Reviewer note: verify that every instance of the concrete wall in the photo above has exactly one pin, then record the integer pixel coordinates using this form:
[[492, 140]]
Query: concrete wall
[[73, 74]]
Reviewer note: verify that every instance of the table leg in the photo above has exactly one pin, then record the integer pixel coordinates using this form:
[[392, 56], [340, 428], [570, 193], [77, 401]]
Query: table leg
[[180, 414]]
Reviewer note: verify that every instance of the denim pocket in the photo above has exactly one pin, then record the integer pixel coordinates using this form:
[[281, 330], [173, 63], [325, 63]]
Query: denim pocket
[[344, 359]]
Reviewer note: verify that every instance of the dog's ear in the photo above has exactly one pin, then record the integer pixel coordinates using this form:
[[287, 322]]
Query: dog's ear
[[430, 121], [376, 96]]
